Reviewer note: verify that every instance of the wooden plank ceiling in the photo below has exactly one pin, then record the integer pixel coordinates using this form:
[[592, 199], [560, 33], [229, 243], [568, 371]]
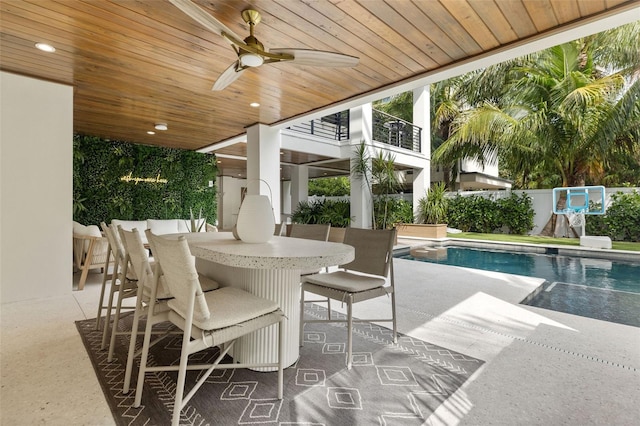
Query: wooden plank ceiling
[[134, 63]]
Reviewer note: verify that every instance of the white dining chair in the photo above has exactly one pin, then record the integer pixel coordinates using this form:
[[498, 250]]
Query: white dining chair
[[215, 318], [123, 286], [136, 256]]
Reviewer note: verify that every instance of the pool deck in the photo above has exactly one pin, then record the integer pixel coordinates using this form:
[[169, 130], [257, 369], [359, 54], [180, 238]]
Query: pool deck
[[540, 367]]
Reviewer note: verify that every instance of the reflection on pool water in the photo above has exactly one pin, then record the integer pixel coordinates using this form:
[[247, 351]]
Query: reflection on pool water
[[597, 288]]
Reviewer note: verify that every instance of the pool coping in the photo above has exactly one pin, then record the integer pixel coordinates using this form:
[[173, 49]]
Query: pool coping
[[598, 253]]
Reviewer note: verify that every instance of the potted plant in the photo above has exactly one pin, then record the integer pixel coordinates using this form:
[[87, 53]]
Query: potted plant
[[431, 215]]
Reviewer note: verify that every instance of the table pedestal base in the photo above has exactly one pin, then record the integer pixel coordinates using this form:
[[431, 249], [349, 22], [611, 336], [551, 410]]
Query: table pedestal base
[[280, 285], [283, 286]]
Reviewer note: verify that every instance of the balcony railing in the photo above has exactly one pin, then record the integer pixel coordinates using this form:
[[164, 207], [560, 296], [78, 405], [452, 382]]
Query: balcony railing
[[386, 129], [333, 126], [394, 131]]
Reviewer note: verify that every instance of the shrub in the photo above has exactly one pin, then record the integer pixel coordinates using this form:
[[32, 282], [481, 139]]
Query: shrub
[[621, 222], [398, 210], [477, 213], [516, 213], [336, 213], [330, 187], [432, 208]]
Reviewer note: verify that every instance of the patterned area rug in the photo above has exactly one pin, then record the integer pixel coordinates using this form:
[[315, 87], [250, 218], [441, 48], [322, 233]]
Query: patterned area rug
[[389, 384]]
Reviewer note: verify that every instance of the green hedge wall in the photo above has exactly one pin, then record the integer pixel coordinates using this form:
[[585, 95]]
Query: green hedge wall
[[100, 193]]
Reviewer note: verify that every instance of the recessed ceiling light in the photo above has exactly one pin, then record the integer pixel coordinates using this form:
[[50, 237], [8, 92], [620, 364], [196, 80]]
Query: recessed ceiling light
[[254, 104], [151, 132], [161, 126], [45, 47]]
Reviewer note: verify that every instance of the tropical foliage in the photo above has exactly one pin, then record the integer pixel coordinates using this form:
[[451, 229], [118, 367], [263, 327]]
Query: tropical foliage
[[334, 212], [120, 180], [621, 222], [565, 116], [476, 213], [330, 186], [379, 177], [432, 208], [400, 106]]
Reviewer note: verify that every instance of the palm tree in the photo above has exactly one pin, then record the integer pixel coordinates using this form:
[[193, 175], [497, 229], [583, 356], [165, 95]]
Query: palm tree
[[446, 106], [400, 105], [380, 178], [563, 119], [559, 113]]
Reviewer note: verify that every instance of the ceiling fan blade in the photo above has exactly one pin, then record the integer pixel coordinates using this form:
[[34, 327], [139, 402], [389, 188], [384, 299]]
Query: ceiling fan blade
[[205, 19], [229, 75], [318, 58]]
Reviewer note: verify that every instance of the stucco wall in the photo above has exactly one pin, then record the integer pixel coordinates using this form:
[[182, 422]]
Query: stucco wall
[[36, 154]]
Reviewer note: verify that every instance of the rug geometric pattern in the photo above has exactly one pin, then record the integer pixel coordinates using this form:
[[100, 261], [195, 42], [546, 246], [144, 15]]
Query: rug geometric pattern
[[389, 384]]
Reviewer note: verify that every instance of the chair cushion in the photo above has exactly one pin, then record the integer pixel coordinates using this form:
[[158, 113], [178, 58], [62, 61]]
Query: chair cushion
[[93, 231], [89, 231], [86, 231], [206, 283], [79, 228], [345, 281], [230, 305]]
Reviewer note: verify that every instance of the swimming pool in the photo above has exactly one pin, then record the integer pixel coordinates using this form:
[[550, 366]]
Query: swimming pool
[[595, 287]]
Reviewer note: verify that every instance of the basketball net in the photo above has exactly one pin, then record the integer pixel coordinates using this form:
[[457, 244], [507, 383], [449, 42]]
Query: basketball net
[[576, 219]]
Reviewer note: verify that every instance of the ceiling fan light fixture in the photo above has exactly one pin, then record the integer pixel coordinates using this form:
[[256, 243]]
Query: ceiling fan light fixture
[[249, 59]]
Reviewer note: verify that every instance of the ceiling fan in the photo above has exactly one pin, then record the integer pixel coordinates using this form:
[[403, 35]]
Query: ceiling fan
[[251, 52]]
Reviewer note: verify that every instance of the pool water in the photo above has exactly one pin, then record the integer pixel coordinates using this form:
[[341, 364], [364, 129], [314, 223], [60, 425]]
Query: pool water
[[597, 288]]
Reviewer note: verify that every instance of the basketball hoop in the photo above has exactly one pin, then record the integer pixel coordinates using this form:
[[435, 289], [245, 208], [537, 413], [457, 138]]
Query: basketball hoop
[[580, 201]]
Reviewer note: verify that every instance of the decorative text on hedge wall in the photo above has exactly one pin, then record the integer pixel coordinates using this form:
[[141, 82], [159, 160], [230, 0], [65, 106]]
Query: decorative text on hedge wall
[[136, 180]]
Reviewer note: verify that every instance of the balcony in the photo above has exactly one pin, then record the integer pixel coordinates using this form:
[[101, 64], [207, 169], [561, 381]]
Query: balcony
[[395, 131], [333, 126], [387, 129]]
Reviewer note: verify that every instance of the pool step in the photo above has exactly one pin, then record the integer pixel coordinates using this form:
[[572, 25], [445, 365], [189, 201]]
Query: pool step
[[621, 307]]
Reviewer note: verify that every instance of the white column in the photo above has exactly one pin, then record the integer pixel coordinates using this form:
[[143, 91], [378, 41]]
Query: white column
[[360, 123], [263, 163], [286, 205], [36, 182], [299, 185], [220, 203], [422, 118]]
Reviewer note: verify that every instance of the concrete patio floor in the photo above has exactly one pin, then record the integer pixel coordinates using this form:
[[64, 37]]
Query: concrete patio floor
[[541, 367]]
